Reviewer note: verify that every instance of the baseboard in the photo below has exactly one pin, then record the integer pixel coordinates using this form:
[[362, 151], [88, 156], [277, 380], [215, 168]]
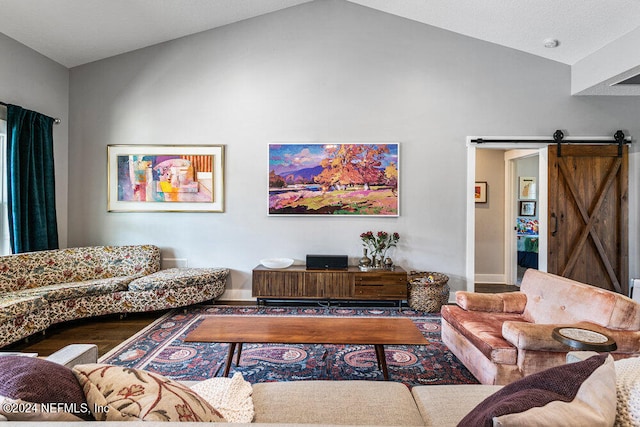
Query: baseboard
[[490, 278], [237, 295]]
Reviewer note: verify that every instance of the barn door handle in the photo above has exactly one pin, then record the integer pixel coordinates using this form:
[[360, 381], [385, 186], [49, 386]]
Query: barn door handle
[[555, 227]]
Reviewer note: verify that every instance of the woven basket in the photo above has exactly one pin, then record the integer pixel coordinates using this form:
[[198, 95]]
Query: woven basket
[[429, 296]]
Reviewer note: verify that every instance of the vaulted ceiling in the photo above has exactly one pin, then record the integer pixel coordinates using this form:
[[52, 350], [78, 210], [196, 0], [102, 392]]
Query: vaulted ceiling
[[75, 32]]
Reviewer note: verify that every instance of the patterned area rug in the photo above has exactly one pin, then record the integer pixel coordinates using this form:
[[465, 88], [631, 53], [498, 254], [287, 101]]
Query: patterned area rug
[[161, 348]]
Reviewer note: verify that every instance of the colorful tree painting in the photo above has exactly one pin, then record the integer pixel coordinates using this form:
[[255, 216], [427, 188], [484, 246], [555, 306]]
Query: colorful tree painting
[[334, 179]]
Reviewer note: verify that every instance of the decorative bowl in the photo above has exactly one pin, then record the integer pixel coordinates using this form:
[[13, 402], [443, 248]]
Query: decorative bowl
[[276, 262]]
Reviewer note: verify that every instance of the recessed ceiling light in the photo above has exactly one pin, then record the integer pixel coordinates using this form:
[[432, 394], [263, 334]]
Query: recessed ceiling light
[[551, 43]]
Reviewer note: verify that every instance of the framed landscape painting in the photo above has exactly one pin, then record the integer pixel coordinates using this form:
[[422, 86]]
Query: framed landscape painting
[[334, 179], [166, 178]]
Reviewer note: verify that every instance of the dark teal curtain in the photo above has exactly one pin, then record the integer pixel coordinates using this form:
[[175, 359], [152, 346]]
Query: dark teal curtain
[[30, 181]]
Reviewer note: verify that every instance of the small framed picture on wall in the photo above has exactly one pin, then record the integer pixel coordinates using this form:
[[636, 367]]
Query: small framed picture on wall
[[480, 192], [527, 208], [527, 188]]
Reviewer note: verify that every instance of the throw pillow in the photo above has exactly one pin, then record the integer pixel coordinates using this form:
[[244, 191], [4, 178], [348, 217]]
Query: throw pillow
[[33, 389], [116, 393], [579, 394], [230, 396], [628, 391]]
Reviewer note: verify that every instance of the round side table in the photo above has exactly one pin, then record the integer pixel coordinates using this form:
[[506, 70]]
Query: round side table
[[584, 339]]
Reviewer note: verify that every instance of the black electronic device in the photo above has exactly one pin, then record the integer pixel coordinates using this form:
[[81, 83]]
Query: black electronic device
[[327, 262]]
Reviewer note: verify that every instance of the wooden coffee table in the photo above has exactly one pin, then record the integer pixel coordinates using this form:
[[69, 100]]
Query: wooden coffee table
[[307, 330]]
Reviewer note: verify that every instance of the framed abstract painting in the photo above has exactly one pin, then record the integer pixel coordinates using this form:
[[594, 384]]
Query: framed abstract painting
[[165, 178], [359, 179]]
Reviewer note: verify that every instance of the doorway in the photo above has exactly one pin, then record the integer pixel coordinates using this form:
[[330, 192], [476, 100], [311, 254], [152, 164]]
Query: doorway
[[505, 271]]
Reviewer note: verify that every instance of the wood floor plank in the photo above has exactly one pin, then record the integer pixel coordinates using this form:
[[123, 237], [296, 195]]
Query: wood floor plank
[[104, 331]]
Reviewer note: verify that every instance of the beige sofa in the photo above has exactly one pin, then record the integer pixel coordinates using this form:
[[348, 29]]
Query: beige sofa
[[383, 403], [503, 337], [602, 396], [39, 289]]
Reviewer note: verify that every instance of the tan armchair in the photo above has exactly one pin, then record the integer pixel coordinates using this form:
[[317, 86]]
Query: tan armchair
[[503, 337]]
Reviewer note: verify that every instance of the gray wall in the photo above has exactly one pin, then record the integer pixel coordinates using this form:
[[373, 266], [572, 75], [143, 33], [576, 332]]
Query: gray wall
[[323, 71], [37, 83]]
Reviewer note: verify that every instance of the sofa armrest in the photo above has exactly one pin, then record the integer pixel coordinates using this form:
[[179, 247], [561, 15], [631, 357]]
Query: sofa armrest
[[531, 336], [538, 336], [505, 302], [75, 354]]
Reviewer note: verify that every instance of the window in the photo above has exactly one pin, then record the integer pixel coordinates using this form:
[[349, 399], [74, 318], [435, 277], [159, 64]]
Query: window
[[5, 248]]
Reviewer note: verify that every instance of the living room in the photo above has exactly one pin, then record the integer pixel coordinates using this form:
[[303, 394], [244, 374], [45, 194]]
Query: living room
[[320, 71]]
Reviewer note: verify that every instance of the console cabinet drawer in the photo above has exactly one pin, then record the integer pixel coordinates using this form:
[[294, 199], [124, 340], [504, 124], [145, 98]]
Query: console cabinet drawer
[[381, 278], [396, 291]]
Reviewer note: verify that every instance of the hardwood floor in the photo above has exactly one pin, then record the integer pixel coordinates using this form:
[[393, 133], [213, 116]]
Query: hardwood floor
[[105, 331], [494, 288]]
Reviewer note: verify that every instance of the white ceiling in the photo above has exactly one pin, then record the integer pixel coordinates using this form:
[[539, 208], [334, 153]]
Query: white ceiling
[[581, 26], [75, 32]]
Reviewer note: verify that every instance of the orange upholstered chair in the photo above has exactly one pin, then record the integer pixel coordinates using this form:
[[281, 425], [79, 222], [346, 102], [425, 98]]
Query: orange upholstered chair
[[503, 337]]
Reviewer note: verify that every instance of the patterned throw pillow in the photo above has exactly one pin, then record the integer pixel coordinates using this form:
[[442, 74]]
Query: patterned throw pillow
[[579, 394], [33, 389], [116, 393]]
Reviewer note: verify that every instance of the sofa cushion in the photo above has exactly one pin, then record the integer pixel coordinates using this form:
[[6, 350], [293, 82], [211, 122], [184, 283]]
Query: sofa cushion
[[335, 402], [133, 394], [179, 278], [64, 291], [446, 405], [506, 302], [13, 305], [33, 389], [484, 330], [579, 394]]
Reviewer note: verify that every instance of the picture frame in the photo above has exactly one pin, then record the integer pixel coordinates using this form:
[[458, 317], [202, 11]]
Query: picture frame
[[527, 188], [480, 192], [335, 178], [527, 208], [165, 178]]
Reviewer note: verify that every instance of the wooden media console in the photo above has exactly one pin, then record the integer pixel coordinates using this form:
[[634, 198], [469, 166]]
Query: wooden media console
[[298, 283]]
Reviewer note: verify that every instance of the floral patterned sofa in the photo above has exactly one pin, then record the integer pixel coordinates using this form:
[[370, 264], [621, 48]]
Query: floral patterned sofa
[[38, 289]]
